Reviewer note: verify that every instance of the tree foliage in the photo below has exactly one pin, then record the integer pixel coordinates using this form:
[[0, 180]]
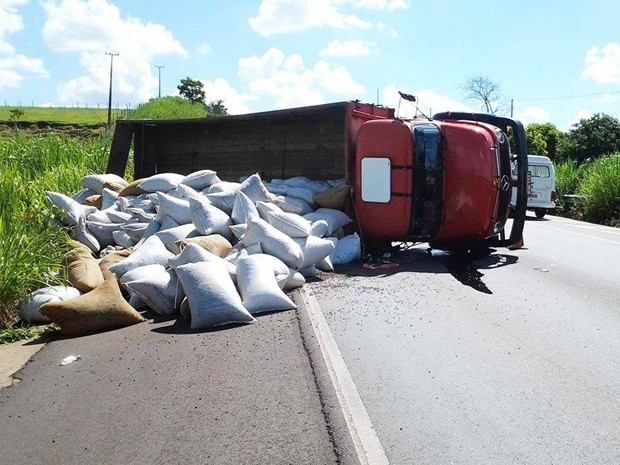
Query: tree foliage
[[192, 90], [217, 108], [483, 92], [591, 138], [543, 139]]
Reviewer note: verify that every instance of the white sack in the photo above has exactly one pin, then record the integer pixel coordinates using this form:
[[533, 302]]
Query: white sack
[[158, 291], [243, 209], [152, 251], [95, 182], [202, 179], [71, 210], [108, 198], [29, 308], [336, 219], [265, 207], [254, 188], [161, 182], [348, 249], [290, 224], [175, 208], [82, 234], [273, 242], [193, 253], [293, 205], [314, 250], [258, 287], [170, 236], [208, 219], [212, 296], [319, 228], [122, 239]]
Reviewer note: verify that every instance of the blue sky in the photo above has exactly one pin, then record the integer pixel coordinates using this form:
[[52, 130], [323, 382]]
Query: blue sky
[[559, 61]]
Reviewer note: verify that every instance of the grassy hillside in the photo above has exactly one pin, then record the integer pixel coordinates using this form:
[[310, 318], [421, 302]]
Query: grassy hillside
[[74, 116]]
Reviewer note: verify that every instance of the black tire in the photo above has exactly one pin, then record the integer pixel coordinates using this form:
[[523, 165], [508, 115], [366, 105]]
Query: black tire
[[540, 213]]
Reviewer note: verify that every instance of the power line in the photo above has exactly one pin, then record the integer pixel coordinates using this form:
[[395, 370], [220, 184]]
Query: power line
[[567, 96]]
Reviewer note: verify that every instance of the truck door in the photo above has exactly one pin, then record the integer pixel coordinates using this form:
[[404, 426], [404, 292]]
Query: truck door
[[384, 179]]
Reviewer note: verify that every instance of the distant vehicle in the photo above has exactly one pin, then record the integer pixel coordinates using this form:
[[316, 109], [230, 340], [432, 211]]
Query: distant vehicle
[[541, 194]]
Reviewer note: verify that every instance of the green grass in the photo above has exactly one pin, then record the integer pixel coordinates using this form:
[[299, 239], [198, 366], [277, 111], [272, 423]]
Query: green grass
[[568, 177], [75, 116], [601, 188], [168, 108], [31, 243]]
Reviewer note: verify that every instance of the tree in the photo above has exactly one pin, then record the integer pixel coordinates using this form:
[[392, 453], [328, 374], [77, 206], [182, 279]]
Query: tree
[[217, 108], [480, 90], [192, 90], [591, 138], [543, 139]]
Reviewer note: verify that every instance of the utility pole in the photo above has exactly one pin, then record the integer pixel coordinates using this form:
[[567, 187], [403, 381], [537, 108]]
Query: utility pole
[[159, 76], [111, 55]]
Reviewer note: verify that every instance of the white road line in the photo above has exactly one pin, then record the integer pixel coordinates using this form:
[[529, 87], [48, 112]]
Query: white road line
[[365, 439], [590, 236]]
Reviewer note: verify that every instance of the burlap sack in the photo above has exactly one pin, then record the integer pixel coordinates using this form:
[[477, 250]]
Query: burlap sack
[[82, 268], [214, 243], [132, 189], [333, 198], [115, 186], [95, 200], [112, 259], [101, 309]]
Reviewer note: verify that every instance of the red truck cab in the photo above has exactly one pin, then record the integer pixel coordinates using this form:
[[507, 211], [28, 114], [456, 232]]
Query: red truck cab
[[446, 181]]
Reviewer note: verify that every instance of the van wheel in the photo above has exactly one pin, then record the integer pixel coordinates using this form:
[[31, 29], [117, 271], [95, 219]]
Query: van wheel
[[540, 213]]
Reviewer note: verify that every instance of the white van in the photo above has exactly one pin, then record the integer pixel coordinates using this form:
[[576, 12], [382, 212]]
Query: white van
[[540, 185]]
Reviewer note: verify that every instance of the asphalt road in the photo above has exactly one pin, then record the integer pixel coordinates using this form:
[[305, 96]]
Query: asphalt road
[[511, 359], [157, 393]]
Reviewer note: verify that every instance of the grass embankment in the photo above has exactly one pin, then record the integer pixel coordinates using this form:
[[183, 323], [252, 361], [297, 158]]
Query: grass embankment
[[72, 116], [598, 185], [31, 244], [168, 108]]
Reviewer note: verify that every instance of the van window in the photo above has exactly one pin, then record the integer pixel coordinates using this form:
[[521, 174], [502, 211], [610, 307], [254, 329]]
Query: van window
[[538, 171]]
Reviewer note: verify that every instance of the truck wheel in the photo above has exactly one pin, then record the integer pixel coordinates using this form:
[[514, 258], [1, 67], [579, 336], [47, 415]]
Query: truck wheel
[[540, 213]]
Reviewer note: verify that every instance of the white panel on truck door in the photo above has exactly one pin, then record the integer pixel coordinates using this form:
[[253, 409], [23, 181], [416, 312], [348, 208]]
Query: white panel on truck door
[[376, 180]]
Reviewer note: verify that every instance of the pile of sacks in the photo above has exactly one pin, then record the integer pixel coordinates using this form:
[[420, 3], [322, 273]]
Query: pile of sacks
[[217, 252]]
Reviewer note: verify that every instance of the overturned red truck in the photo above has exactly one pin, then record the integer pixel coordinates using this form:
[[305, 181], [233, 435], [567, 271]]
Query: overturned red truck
[[446, 180]]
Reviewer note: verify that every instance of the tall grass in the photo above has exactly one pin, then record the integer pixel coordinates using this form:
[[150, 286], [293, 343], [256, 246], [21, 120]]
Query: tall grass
[[31, 244], [568, 177], [601, 188], [168, 108]]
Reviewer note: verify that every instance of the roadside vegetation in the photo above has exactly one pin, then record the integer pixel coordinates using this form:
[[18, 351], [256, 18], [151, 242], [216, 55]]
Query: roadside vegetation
[[74, 116], [31, 243]]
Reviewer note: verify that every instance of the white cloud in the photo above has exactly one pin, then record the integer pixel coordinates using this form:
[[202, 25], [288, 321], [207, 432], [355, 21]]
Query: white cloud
[[533, 115], [427, 100], [291, 82], [603, 66], [583, 114], [381, 4], [204, 49], [93, 27], [233, 100], [351, 48], [284, 16], [15, 67]]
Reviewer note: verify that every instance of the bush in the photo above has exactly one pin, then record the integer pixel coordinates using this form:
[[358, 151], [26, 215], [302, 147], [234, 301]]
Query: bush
[[601, 188], [168, 108]]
